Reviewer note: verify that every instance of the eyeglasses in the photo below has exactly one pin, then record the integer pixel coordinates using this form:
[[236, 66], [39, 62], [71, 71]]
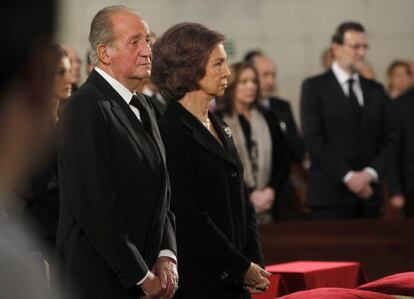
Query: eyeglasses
[[357, 46]]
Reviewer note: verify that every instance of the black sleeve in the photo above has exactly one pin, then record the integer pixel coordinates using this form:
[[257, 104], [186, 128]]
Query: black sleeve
[[253, 249], [387, 143], [280, 152], [169, 241], [294, 141], [314, 134], [85, 173], [204, 239], [395, 167]]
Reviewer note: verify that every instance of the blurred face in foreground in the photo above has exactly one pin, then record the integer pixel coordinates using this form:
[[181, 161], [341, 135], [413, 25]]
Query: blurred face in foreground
[[25, 120]]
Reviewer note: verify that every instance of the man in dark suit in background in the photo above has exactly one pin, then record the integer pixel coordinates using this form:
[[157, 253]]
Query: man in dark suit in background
[[267, 73], [401, 178], [286, 205], [115, 235], [344, 125]]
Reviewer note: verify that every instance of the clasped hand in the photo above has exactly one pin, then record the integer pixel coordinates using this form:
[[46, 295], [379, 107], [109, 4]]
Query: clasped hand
[[359, 183], [162, 281], [256, 279]]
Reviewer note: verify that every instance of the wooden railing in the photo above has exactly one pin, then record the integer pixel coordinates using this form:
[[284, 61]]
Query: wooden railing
[[383, 247]]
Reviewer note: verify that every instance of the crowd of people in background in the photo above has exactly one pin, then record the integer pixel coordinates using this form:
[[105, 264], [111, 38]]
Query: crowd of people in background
[[227, 150], [279, 169], [283, 163]]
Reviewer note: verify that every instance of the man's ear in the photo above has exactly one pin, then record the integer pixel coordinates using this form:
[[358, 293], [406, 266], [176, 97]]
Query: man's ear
[[102, 54], [335, 48]]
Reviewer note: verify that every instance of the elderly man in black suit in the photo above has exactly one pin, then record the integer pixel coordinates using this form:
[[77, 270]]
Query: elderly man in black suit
[[268, 73], [345, 129], [116, 235]]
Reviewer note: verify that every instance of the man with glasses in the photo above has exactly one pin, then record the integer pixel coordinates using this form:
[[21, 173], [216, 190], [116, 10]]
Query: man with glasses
[[344, 126]]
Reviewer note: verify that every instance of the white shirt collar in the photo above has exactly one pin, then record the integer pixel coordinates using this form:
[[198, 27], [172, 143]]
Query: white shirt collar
[[341, 75], [148, 92], [124, 92], [265, 102]]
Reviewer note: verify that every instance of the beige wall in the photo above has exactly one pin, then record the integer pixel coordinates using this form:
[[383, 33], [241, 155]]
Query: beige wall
[[292, 32]]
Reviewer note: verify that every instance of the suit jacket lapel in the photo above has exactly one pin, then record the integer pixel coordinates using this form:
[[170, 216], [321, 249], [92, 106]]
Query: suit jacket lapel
[[338, 93], [154, 126], [224, 133], [126, 117], [367, 102]]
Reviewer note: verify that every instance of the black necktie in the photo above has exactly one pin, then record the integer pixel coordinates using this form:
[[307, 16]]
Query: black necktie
[[145, 119], [353, 99]]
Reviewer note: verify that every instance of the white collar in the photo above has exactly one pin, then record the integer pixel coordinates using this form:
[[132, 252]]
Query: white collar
[[341, 75], [124, 92], [265, 102], [148, 92]]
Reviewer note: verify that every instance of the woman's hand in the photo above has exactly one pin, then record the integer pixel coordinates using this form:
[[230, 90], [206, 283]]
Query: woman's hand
[[262, 200], [256, 279]]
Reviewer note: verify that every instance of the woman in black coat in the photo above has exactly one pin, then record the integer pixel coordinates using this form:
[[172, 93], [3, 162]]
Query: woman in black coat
[[219, 253], [258, 139]]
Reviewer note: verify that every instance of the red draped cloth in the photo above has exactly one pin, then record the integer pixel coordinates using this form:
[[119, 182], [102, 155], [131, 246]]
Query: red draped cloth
[[336, 293], [397, 284], [276, 288], [306, 275]]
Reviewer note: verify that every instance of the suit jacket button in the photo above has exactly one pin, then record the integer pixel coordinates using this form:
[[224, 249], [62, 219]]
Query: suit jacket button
[[224, 275], [233, 174]]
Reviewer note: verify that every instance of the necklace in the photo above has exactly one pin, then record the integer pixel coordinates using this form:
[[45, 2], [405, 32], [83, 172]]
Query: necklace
[[205, 121]]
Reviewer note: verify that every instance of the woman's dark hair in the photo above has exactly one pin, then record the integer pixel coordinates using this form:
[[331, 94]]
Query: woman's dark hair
[[180, 58], [343, 28], [252, 54], [229, 95]]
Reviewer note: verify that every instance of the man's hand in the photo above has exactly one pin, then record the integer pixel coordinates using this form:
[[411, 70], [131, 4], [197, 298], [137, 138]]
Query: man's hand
[[166, 269], [397, 201], [366, 192], [358, 181], [255, 279], [152, 287], [270, 195]]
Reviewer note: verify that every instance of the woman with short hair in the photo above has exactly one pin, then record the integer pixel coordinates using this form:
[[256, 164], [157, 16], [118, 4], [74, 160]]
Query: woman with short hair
[[219, 253]]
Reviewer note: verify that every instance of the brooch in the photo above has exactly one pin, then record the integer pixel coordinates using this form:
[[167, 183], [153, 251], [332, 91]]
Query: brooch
[[227, 130]]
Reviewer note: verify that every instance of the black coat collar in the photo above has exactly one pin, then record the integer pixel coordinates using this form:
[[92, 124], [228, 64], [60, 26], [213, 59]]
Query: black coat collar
[[202, 136]]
